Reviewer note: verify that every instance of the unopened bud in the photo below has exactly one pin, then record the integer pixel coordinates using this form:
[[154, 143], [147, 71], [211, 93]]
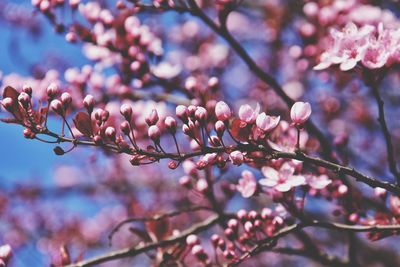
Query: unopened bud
[[126, 111], [52, 90], [57, 107], [110, 133], [153, 118], [88, 103]]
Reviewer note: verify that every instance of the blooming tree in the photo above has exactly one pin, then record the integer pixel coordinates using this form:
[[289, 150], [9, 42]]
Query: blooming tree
[[221, 133]]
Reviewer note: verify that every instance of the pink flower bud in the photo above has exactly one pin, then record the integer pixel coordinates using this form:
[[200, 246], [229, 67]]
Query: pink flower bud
[[5, 253], [201, 114], [126, 111], [300, 112], [380, 192], [88, 103], [192, 240], [110, 133], [170, 124], [28, 134], [202, 185], [57, 107], [192, 110], [27, 89], [353, 218], [154, 133], [71, 37], [213, 82], [66, 99], [153, 118], [230, 234], [197, 250], [214, 239], [242, 214], [125, 128], [253, 215], [182, 113], [248, 227], [266, 213], [236, 157], [8, 103], [74, 3], [220, 128], [105, 115], [222, 111], [233, 223], [52, 90], [24, 99], [97, 140], [267, 123], [185, 181]]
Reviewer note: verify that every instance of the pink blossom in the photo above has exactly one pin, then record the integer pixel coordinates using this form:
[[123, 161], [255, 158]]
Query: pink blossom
[[300, 112], [267, 123], [247, 185], [282, 180], [222, 111], [248, 114], [236, 157], [346, 47], [318, 182]]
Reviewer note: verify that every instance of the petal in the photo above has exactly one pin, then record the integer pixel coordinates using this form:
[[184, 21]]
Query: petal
[[270, 173], [348, 64], [283, 187], [296, 180], [268, 182]]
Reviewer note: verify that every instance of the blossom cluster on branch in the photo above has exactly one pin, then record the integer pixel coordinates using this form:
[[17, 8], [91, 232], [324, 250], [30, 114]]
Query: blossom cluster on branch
[[202, 159]]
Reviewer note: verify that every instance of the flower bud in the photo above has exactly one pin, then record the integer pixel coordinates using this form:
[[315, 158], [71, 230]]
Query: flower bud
[[110, 133], [170, 124], [222, 111], [57, 107], [230, 234], [24, 99], [52, 90], [248, 227], [126, 111], [66, 99], [27, 89], [213, 83], [185, 181], [105, 115], [220, 128], [5, 253], [172, 165], [71, 37], [236, 157], [125, 128], [214, 239], [233, 223], [154, 133], [202, 185], [97, 140], [242, 214], [8, 103], [88, 103], [182, 113], [153, 118], [192, 240], [300, 112], [28, 134], [201, 114]]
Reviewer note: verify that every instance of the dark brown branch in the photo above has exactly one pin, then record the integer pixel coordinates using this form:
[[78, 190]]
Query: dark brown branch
[[268, 243], [385, 130], [131, 252], [155, 218]]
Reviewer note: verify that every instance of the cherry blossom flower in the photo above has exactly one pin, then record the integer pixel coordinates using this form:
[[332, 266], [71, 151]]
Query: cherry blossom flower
[[318, 182], [247, 185], [248, 114], [300, 112], [282, 180], [267, 123]]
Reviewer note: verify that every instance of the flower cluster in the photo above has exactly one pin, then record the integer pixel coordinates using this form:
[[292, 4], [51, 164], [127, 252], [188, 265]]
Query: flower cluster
[[373, 47]]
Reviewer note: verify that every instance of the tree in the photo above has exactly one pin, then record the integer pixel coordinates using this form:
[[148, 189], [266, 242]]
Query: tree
[[223, 133]]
